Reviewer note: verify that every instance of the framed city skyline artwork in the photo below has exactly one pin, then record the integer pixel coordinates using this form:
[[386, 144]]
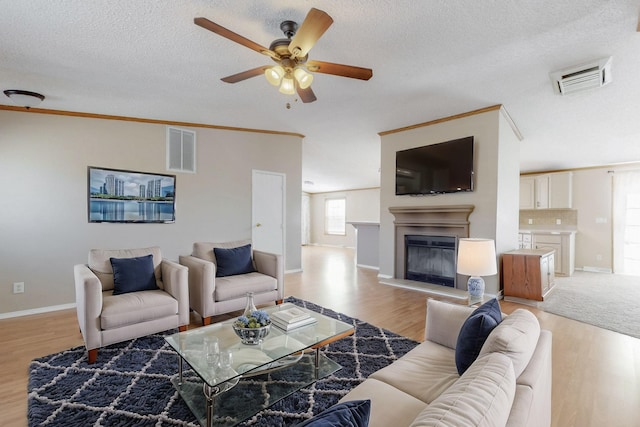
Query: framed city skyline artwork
[[124, 196]]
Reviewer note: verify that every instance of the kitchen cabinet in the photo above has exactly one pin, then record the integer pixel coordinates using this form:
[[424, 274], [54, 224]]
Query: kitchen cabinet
[[564, 246], [528, 273], [546, 191], [524, 241], [527, 192]]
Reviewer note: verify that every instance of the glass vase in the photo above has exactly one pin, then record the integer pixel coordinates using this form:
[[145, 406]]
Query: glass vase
[[250, 307]]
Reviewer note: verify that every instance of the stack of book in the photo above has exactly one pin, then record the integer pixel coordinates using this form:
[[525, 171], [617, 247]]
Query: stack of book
[[291, 318]]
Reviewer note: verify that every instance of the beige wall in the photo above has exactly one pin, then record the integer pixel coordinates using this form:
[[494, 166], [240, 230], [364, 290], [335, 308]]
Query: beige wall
[[361, 205], [43, 221], [496, 182]]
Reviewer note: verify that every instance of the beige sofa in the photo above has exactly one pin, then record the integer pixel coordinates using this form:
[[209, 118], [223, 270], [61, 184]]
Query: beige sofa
[[509, 384], [210, 295], [106, 318]]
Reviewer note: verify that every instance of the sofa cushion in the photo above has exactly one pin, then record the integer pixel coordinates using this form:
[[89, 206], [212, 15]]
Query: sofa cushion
[[133, 274], [135, 307], [516, 336], [389, 406], [231, 287], [230, 262], [100, 262], [482, 397], [204, 250], [354, 413], [424, 372], [474, 332]]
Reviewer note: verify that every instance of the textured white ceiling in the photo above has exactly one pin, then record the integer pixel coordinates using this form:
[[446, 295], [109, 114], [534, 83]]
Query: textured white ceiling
[[146, 58]]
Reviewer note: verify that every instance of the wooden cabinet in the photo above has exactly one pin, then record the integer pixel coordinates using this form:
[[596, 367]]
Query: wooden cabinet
[[528, 273], [527, 192], [564, 246], [560, 190], [546, 191], [542, 192], [524, 241]]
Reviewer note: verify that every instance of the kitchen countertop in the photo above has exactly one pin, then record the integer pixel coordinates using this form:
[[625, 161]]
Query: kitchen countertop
[[550, 230]]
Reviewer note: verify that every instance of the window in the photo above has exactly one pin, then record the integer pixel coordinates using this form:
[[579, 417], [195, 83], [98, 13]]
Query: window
[[335, 216]]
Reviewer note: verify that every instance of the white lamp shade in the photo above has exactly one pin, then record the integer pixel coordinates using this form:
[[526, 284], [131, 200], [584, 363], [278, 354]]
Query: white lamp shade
[[304, 79], [287, 87], [477, 257], [274, 74]]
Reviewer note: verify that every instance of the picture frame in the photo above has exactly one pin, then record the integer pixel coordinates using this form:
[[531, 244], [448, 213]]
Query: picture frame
[[125, 196]]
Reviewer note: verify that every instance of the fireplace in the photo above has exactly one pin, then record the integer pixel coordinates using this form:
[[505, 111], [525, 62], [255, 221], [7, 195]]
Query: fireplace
[[429, 229], [431, 259]]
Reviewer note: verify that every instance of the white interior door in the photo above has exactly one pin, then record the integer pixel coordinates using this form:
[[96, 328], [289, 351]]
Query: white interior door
[[268, 211]]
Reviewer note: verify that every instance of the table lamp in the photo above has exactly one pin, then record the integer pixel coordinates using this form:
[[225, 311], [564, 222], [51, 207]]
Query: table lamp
[[476, 257]]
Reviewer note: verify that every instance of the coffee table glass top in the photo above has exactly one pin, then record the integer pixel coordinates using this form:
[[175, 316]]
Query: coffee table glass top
[[278, 349]]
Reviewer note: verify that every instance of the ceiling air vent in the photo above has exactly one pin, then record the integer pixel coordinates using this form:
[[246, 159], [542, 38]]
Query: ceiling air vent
[[582, 77]]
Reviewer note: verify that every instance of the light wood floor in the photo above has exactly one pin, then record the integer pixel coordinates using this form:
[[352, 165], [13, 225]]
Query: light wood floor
[[596, 373]]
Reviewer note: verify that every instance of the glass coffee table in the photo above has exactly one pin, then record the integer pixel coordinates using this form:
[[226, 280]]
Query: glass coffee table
[[244, 379]]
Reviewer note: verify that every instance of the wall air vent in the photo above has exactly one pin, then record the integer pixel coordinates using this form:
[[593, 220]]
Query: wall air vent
[[582, 77]]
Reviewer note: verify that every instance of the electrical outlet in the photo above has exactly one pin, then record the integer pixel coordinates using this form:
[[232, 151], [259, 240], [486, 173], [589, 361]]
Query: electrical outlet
[[598, 257], [18, 287], [558, 221], [530, 221]]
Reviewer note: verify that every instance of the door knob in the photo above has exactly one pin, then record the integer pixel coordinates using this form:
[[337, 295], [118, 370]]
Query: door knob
[[258, 225]]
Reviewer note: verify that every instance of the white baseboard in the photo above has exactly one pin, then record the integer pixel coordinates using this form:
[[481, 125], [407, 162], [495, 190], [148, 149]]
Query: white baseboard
[[370, 267], [295, 270], [595, 269], [38, 310]]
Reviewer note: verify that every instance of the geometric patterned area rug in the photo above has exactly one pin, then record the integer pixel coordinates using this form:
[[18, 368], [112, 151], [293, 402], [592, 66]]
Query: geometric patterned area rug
[[130, 383], [609, 301]]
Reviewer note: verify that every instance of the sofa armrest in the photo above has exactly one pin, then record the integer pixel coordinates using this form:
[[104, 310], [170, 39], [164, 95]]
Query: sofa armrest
[[444, 321], [202, 284], [88, 305], [175, 278], [271, 265]]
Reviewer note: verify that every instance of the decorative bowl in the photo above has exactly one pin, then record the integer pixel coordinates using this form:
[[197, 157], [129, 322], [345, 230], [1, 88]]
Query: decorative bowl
[[252, 336]]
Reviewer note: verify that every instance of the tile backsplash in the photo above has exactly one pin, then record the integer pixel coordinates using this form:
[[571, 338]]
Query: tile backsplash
[[548, 217]]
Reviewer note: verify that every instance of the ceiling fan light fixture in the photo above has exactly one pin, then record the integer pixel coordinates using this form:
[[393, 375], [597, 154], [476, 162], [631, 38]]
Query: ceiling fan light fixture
[[303, 78], [24, 98], [274, 75], [287, 87]]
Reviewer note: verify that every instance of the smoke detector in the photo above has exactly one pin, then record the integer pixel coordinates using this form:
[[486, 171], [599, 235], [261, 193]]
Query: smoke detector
[[582, 77]]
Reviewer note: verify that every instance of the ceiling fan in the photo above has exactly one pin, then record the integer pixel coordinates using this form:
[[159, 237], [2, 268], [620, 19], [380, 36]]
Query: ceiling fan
[[293, 72]]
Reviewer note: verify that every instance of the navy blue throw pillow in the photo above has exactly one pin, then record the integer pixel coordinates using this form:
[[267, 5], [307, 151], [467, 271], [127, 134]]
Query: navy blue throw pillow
[[474, 333], [133, 274], [353, 413], [233, 261]]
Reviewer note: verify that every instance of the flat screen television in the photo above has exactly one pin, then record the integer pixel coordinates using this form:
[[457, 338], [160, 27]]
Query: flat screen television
[[116, 195], [441, 168]]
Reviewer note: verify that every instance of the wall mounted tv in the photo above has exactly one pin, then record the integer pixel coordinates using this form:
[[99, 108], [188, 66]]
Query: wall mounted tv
[[116, 195], [446, 167]]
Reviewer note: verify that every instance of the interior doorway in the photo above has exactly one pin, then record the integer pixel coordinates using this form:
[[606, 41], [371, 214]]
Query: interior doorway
[[268, 211]]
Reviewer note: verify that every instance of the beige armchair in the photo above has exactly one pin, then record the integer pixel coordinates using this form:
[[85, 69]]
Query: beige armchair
[[210, 295], [106, 318]]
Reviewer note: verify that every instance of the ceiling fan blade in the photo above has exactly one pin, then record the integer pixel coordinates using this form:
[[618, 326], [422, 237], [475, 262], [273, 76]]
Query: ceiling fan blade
[[339, 70], [228, 34], [306, 95], [244, 75], [312, 28]]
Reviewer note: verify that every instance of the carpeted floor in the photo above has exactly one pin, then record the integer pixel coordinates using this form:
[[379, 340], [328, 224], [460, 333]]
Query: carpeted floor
[[130, 384], [610, 301]]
